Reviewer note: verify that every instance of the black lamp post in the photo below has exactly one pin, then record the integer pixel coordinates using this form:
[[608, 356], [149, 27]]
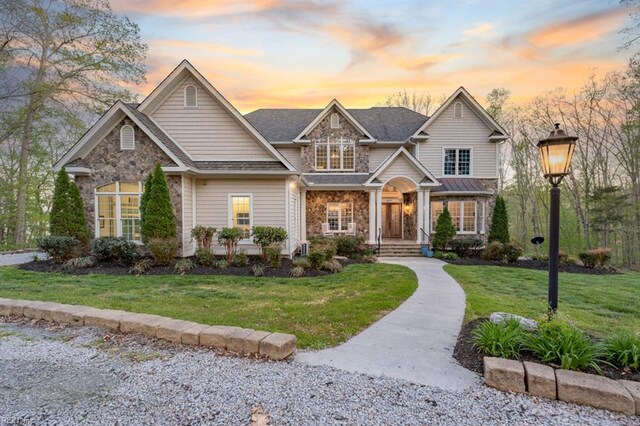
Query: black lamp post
[[556, 153]]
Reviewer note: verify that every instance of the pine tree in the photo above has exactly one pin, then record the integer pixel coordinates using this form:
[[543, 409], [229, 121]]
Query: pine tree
[[445, 231], [157, 220], [148, 183], [67, 216], [500, 222]]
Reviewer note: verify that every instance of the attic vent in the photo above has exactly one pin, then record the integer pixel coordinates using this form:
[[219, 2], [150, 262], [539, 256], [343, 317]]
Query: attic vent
[[190, 96], [457, 110], [127, 140], [335, 121]]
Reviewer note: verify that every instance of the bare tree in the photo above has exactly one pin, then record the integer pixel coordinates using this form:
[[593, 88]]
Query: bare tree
[[423, 103]]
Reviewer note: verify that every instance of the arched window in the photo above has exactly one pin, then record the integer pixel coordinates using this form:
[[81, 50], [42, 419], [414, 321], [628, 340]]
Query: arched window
[[457, 110], [118, 210], [190, 96], [335, 121], [127, 137]]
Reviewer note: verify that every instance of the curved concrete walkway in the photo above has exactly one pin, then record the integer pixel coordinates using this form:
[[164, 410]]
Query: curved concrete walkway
[[19, 258], [416, 341]]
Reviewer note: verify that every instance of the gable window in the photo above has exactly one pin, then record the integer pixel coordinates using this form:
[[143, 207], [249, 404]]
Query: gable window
[[457, 162], [335, 121], [118, 210], [339, 216], [457, 110], [190, 96], [240, 213], [127, 138], [463, 215], [335, 154]]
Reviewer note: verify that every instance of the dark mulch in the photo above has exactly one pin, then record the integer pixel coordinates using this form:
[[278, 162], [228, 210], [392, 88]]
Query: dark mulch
[[541, 265], [472, 359], [110, 268]]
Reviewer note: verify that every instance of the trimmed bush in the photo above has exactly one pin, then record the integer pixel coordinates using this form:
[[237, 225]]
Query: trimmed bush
[[116, 249], [183, 266], [240, 259], [623, 350], [163, 250], [59, 248], [274, 255], [205, 257], [445, 231], [67, 218], [439, 255], [296, 272], [141, 266], [499, 222], [303, 262], [450, 256], [466, 245], [600, 256], [265, 236], [257, 270], [511, 251], [504, 339], [203, 236], [349, 245], [157, 218], [229, 238], [80, 263], [493, 251], [316, 258]]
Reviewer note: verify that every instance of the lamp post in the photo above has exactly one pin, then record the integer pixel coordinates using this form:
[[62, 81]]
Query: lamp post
[[556, 153]]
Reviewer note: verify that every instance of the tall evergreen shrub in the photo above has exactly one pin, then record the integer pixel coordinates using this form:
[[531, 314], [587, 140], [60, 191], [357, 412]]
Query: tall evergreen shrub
[[67, 218], [445, 231], [499, 222], [157, 218]]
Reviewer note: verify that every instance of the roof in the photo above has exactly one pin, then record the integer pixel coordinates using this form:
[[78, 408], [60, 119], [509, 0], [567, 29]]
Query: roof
[[386, 124], [337, 179], [459, 185], [240, 165]]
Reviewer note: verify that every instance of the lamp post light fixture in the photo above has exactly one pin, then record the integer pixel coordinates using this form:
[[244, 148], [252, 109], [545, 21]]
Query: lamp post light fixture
[[556, 153]]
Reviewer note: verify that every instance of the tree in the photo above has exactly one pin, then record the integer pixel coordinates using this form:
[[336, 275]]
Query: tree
[[418, 102], [497, 99], [148, 183], [499, 222], [67, 216], [157, 218], [445, 231], [64, 54]]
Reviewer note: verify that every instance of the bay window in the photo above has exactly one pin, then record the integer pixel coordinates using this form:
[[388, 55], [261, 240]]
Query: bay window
[[335, 154], [118, 210], [463, 215]]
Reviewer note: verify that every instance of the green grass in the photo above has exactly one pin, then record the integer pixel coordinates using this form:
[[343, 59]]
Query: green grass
[[600, 305], [321, 311]]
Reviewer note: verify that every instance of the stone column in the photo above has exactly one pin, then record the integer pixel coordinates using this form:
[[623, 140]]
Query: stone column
[[379, 213], [303, 214], [420, 215], [372, 217]]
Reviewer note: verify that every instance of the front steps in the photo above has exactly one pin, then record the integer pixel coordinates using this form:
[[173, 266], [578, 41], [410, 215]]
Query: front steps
[[399, 250]]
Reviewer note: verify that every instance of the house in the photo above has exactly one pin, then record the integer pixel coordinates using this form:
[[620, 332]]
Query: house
[[383, 173]]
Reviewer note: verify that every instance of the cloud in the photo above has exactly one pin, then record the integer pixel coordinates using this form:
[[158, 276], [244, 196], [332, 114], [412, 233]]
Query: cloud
[[478, 30], [199, 46]]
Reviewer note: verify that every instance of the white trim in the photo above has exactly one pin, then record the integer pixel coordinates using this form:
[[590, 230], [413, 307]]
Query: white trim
[[334, 103], [372, 217], [379, 213], [340, 230], [418, 165], [335, 125], [484, 218], [419, 216], [341, 144], [303, 214], [185, 96], [230, 196], [287, 213], [457, 149], [184, 245], [78, 170], [194, 204], [118, 209]]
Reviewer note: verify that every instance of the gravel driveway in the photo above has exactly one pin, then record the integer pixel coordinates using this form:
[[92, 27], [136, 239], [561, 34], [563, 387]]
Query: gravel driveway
[[54, 375]]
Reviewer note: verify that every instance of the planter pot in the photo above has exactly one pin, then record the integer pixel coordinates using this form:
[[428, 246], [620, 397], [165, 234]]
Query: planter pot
[[426, 252]]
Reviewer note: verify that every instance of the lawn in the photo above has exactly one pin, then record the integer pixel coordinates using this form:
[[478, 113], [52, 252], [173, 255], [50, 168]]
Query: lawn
[[598, 304], [321, 311]]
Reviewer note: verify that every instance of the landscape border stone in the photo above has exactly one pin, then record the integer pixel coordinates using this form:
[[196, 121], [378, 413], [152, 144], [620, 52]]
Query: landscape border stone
[[276, 346]]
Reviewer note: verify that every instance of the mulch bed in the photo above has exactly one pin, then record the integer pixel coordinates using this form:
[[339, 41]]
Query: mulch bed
[[472, 359], [109, 268], [541, 265]]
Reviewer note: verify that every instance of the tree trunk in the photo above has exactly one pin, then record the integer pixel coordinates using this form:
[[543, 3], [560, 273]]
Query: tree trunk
[[23, 176]]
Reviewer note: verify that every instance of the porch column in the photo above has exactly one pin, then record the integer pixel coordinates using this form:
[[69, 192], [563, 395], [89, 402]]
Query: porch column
[[420, 215], [303, 214], [379, 213], [427, 211], [372, 217]]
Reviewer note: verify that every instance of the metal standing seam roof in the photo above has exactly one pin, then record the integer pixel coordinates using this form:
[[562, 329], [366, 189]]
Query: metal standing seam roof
[[337, 179], [459, 185]]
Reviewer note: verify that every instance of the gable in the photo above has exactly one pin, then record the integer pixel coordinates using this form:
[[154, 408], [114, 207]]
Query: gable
[[334, 107], [400, 166], [323, 129]]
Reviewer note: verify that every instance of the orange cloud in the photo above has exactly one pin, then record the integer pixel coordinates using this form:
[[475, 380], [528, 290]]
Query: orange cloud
[[478, 30], [194, 8], [198, 46]]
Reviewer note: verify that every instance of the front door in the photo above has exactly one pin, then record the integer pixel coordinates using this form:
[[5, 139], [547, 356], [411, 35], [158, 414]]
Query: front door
[[392, 220]]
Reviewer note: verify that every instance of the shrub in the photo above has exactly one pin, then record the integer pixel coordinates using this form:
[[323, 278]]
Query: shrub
[[512, 251], [504, 339], [493, 251], [274, 255], [67, 218], [229, 238], [141, 266], [257, 270], [163, 250], [332, 266], [369, 258], [571, 260], [320, 239], [466, 245], [439, 255], [265, 236], [205, 257], [623, 350], [558, 343], [368, 251], [157, 220], [596, 257], [183, 266], [348, 245], [220, 264], [302, 262], [203, 235], [499, 222], [316, 258], [445, 231], [80, 263], [296, 272], [115, 249], [59, 248], [240, 259], [450, 256]]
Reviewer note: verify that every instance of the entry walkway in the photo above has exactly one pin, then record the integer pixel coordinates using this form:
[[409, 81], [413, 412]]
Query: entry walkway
[[19, 258], [416, 341]]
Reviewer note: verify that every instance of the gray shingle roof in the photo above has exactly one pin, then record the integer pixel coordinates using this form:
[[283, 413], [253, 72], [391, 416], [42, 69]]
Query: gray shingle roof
[[390, 124], [459, 185], [337, 179], [240, 165]]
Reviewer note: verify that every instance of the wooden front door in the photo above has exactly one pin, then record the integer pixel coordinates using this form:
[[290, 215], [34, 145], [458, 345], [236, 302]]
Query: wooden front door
[[392, 220]]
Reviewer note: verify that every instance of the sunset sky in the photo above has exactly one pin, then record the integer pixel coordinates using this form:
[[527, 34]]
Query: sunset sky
[[272, 53]]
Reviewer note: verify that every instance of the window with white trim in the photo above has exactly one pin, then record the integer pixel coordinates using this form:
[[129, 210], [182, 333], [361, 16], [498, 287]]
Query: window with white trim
[[457, 162], [457, 110], [190, 96], [436, 210], [335, 154], [127, 138], [339, 216], [335, 121], [463, 215], [118, 210], [240, 214]]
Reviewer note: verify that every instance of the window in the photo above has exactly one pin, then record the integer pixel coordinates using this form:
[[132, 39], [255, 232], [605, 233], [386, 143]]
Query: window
[[436, 209], [457, 110], [339, 216], [127, 137], [190, 96], [335, 154], [456, 162], [118, 210], [463, 215], [241, 216], [335, 121]]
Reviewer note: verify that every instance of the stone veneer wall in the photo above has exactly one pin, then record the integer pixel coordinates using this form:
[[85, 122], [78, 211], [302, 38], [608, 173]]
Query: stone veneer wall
[[110, 164], [317, 209], [411, 219], [323, 131]]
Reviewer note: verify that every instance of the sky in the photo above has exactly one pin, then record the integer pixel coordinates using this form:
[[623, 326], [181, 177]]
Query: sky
[[304, 53]]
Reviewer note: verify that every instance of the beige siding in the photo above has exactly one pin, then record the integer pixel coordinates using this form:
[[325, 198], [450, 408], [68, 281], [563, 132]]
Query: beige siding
[[466, 132], [292, 154], [400, 167], [378, 154], [187, 218], [208, 131]]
